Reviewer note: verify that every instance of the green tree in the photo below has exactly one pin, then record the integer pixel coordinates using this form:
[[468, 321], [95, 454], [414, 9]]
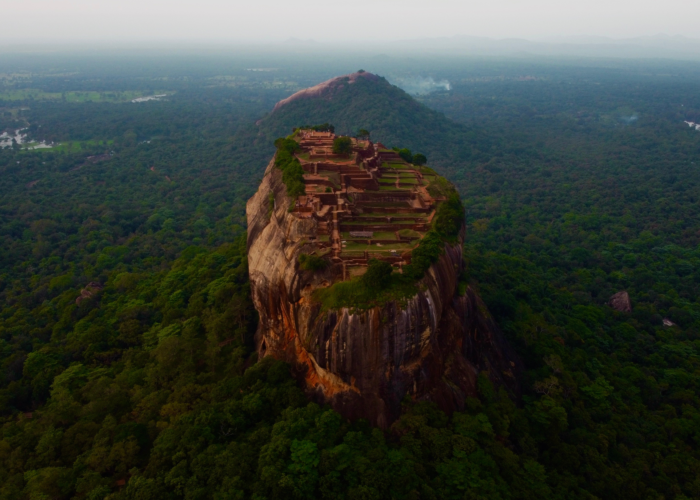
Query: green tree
[[342, 145], [405, 154]]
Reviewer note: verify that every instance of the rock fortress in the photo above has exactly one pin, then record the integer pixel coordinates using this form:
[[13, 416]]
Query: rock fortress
[[431, 343]]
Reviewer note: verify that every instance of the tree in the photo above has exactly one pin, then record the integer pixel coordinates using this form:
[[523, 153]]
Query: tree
[[342, 145], [405, 154], [363, 134], [419, 159]]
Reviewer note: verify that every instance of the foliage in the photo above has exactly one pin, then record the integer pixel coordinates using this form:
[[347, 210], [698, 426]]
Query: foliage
[[292, 173], [342, 145], [419, 159], [405, 154], [449, 219]]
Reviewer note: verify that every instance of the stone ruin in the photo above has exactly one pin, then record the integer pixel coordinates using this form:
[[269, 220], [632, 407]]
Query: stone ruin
[[370, 204]]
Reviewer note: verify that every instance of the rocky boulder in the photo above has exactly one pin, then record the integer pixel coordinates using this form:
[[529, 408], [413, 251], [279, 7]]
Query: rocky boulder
[[621, 302]]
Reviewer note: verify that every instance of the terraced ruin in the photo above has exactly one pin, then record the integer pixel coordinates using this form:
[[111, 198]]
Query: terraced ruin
[[369, 204]]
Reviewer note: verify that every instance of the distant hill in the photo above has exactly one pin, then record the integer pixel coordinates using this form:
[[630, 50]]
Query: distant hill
[[364, 100]]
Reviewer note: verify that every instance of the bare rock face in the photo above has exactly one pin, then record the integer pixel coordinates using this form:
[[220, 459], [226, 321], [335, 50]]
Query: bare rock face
[[325, 89], [431, 347], [90, 291], [621, 302]]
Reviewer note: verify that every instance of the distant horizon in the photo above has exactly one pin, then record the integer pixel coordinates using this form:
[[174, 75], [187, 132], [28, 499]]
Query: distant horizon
[[583, 39], [266, 21], [659, 46]]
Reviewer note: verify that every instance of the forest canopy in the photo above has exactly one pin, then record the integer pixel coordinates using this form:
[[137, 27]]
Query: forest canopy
[[127, 368]]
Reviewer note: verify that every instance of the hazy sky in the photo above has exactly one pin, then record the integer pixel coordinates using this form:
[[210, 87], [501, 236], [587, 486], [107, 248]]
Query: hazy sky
[[329, 20]]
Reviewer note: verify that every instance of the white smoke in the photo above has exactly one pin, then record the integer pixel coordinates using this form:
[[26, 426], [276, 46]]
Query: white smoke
[[418, 85]]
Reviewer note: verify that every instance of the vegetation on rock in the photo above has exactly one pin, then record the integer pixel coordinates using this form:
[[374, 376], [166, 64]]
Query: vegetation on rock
[[292, 173]]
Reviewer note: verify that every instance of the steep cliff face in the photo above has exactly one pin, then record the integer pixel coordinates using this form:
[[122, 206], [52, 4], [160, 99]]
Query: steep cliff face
[[431, 347]]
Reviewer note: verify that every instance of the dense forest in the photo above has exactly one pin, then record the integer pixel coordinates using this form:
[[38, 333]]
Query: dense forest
[[126, 360]]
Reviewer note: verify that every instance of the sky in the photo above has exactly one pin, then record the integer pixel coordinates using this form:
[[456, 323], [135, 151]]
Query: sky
[[334, 21]]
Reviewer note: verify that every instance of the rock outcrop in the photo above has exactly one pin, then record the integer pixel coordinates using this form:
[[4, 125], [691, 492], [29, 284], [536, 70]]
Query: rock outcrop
[[431, 347], [621, 302], [325, 89], [91, 290]]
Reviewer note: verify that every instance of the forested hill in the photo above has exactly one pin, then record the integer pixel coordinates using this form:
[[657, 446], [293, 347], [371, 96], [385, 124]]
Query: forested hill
[[391, 115]]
